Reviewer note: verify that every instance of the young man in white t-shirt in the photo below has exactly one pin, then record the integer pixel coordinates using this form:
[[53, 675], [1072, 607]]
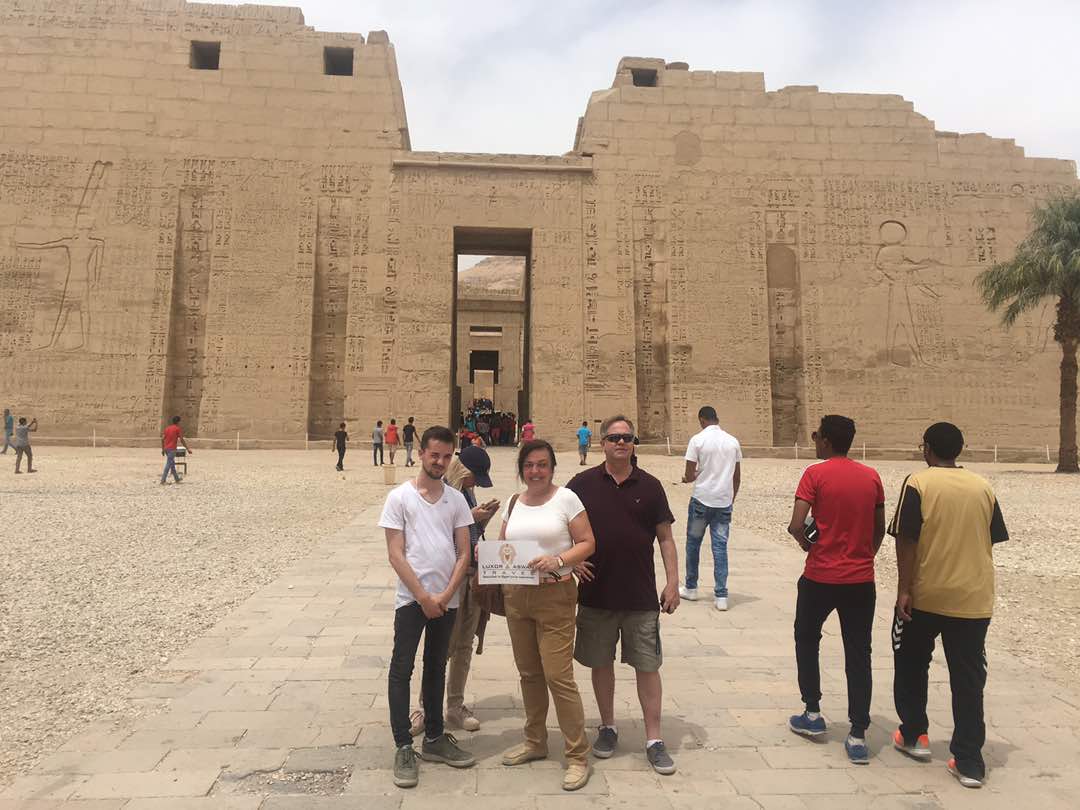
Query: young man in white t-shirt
[[713, 459], [427, 535]]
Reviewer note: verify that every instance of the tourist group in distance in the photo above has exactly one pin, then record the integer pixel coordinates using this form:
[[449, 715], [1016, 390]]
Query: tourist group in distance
[[593, 563]]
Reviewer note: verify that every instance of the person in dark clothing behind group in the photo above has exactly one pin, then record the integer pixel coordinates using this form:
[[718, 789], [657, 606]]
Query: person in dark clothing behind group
[[340, 438], [848, 504], [408, 438], [946, 524]]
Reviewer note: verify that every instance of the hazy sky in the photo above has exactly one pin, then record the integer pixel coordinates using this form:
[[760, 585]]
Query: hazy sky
[[514, 75]]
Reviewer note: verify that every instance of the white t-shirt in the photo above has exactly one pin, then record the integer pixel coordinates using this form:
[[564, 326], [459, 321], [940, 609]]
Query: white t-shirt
[[548, 525], [716, 453], [429, 535]]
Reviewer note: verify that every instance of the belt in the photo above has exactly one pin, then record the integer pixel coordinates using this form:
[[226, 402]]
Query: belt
[[545, 579]]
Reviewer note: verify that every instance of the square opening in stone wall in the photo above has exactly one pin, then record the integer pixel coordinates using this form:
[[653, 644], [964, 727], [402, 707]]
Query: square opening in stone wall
[[338, 61], [644, 77], [205, 55]]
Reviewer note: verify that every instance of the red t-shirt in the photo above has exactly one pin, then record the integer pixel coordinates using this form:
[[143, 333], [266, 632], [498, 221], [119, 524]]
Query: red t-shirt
[[172, 435], [528, 432], [842, 495]]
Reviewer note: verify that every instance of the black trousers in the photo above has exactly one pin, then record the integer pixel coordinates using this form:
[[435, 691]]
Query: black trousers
[[377, 454], [855, 605], [340, 457], [964, 641], [409, 623]]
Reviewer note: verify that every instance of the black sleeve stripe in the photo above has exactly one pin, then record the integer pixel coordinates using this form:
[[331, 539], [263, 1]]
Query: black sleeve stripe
[[896, 515], [908, 519], [998, 532]]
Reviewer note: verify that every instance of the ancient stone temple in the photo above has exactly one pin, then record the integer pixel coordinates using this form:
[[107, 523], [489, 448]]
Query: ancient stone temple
[[214, 211]]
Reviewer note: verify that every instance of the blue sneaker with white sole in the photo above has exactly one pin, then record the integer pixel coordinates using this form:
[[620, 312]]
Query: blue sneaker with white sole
[[857, 752], [802, 724]]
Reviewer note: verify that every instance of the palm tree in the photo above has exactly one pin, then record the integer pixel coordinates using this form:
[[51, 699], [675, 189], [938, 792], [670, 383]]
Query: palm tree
[[1047, 264]]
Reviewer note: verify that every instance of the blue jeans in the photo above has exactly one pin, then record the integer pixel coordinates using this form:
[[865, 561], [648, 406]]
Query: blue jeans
[[170, 464], [718, 520]]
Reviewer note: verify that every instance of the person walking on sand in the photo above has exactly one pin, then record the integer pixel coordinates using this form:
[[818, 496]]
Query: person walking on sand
[[946, 525], [9, 430], [22, 444], [584, 440], [392, 440], [171, 438], [378, 435], [408, 435], [427, 537], [713, 465], [848, 505], [340, 439]]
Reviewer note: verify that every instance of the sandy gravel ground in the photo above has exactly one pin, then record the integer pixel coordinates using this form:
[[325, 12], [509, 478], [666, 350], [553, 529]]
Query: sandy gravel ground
[[104, 573]]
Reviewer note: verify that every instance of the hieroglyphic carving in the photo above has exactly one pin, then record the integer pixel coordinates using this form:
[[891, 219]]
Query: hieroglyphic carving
[[330, 307], [18, 275], [594, 379], [191, 292], [649, 230], [785, 343]]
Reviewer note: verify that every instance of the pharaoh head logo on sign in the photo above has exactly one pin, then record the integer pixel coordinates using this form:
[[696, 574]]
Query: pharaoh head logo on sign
[[507, 554]]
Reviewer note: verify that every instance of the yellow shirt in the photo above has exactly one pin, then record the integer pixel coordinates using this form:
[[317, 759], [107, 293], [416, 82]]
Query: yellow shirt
[[954, 517]]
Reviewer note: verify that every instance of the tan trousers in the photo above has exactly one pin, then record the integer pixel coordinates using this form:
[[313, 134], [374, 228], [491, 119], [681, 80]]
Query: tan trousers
[[461, 646], [541, 620]]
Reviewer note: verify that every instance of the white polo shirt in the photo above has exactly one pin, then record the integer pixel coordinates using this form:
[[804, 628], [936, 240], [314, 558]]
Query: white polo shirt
[[716, 453]]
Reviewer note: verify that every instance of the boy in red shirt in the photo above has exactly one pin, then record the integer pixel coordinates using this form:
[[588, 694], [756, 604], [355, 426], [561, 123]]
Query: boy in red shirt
[[170, 438], [848, 505]]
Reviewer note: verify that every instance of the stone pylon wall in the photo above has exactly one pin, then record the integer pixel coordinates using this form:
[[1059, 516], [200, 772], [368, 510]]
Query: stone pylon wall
[[257, 249]]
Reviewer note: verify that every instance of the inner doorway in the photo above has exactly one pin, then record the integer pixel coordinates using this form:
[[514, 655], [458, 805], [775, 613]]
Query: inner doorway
[[490, 359]]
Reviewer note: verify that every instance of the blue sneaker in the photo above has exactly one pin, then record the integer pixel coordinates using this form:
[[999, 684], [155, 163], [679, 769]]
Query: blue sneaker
[[857, 751], [802, 724]]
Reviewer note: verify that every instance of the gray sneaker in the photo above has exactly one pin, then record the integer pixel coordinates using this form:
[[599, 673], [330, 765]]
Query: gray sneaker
[[406, 771], [659, 758], [607, 740], [445, 749]]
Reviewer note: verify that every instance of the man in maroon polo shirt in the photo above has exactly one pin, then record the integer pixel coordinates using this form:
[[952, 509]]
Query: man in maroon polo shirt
[[617, 600]]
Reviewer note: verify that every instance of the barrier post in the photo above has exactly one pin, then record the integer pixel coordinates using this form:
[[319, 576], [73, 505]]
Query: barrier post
[[306, 440], [864, 451], [94, 439], [995, 454], [238, 440], [1047, 454], [668, 440], [796, 451]]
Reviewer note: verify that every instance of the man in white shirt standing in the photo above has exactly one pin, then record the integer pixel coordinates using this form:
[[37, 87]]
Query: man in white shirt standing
[[713, 459], [427, 536]]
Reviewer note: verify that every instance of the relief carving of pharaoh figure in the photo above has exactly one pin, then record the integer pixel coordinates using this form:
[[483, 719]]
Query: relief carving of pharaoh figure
[[910, 293], [82, 257]]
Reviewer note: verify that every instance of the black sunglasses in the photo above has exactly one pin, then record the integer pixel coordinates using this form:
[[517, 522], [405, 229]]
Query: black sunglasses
[[615, 438]]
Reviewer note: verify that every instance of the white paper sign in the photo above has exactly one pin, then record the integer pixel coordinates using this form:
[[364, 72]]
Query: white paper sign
[[507, 563]]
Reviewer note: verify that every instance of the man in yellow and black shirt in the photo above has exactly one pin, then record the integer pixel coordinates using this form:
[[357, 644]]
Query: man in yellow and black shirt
[[946, 523]]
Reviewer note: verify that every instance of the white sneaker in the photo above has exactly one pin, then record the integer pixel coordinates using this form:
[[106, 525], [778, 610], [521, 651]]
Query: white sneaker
[[721, 603], [688, 593]]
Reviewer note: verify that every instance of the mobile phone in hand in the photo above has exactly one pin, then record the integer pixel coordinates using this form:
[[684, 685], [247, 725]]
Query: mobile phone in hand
[[810, 530]]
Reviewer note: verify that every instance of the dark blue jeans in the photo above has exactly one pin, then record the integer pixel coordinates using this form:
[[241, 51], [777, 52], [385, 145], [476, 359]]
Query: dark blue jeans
[[170, 464], [718, 520]]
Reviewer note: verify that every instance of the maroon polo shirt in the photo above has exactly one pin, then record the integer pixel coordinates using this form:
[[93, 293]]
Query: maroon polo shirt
[[624, 519]]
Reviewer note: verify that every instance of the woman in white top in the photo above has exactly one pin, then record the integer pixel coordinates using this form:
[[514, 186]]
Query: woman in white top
[[542, 618]]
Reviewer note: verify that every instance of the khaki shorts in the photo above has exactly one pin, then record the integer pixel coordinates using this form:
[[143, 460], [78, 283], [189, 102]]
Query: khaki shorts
[[598, 630]]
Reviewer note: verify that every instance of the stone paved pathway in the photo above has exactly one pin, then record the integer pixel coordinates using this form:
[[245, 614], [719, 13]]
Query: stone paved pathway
[[283, 706]]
